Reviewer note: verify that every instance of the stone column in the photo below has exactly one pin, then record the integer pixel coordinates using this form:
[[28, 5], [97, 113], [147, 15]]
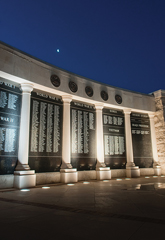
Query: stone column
[[131, 169], [68, 174], [102, 172], [156, 164], [23, 176]]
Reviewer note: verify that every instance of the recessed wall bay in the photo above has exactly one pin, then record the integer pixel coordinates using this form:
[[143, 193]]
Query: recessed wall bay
[[141, 138], [114, 139], [45, 133], [83, 149], [10, 105]]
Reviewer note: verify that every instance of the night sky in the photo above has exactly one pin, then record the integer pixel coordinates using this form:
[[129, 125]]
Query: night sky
[[117, 42]]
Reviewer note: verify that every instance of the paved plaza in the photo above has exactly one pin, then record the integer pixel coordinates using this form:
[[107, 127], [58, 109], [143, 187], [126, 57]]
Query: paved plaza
[[127, 209]]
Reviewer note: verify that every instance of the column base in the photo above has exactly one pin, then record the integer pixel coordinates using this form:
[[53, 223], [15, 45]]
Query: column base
[[103, 173], [133, 172], [22, 167], [69, 175], [157, 169], [24, 179]]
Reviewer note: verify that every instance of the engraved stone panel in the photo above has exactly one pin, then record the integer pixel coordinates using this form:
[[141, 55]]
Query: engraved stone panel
[[114, 138], [45, 133], [10, 105], [141, 139], [83, 136]]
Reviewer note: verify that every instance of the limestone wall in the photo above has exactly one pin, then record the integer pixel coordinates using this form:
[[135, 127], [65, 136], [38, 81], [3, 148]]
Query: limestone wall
[[22, 68], [160, 126]]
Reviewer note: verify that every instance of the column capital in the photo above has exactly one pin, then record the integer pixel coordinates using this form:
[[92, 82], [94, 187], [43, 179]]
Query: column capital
[[27, 87], [127, 111], [66, 98], [151, 115], [99, 106]]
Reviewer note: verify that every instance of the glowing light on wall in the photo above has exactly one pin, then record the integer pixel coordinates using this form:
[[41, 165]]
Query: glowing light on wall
[[138, 186], [45, 187], [25, 190], [160, 185], [70, 184]]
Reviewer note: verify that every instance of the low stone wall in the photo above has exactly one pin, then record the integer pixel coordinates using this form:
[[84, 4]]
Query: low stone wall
[[146, 171], [6, 181], [159, 120], [115, 173], [86, 175], [47, 178]]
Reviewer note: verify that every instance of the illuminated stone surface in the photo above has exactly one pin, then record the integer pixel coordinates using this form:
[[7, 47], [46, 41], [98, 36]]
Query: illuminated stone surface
[[61, 144], [160, 126]]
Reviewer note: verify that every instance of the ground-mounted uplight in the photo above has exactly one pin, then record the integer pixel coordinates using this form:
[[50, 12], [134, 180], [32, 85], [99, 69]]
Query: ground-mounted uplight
[[155, 176], [45, 187], [70, 184], [105, 180], [118, 179], [127, 179], [86, 182], [147, 177], [25, 190], [162, 176]]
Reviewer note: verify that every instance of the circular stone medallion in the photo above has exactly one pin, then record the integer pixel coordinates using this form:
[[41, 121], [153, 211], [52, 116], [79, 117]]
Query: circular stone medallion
[[55, 80], [89, 91], [118, 99], [104, 95], [73, 86]]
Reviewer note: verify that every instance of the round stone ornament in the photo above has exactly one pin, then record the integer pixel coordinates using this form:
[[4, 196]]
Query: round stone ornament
[[89, 91], [55, 80], [118, 99], [73, 86], [104, 95]]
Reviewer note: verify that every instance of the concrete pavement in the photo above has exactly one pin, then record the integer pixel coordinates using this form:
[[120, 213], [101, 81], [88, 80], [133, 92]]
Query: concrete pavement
[[127, 209]]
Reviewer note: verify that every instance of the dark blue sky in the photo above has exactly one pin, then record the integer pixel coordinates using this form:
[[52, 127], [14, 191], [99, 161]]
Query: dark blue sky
[[117, 42]]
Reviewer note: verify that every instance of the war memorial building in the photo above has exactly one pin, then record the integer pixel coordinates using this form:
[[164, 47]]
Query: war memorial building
[[56, 126]]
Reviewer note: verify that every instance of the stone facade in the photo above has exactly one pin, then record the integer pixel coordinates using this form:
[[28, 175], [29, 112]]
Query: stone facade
[[159, 120], [95, 131]]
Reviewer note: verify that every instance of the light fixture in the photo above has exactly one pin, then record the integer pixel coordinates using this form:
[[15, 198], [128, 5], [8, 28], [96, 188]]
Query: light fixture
[[118, 179], [25, 190], [138, 186], [70, 184], [45, 187], [85, 182]]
